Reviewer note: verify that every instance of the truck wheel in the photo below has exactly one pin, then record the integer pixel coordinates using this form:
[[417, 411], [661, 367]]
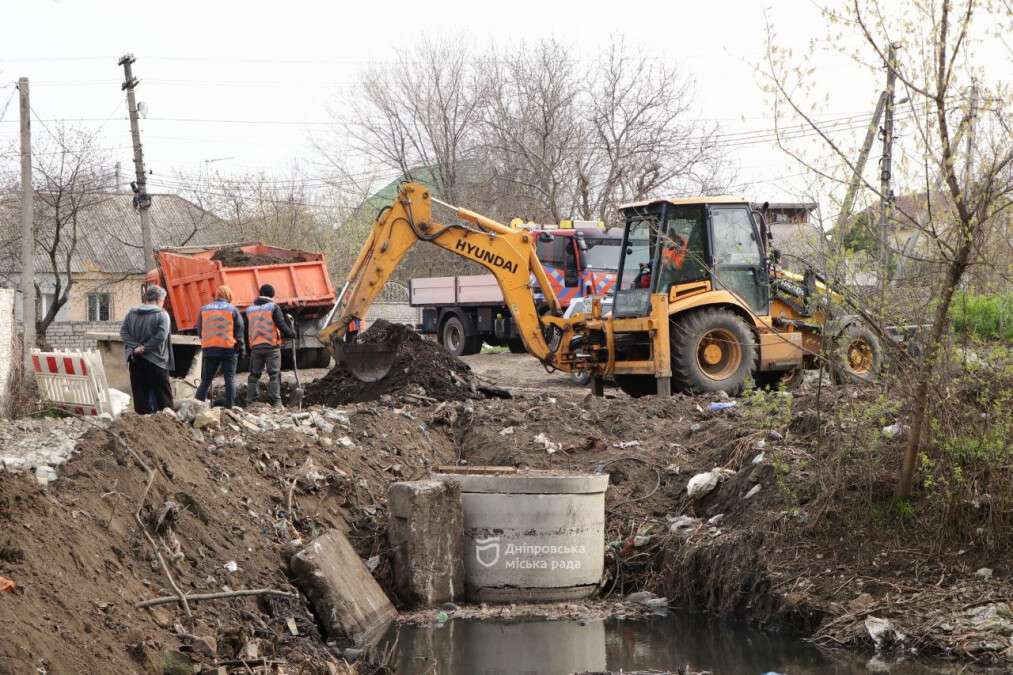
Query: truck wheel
[[516, 347], [637, 385], [454, 337], [858, 356], [712, 350], [580, 378]]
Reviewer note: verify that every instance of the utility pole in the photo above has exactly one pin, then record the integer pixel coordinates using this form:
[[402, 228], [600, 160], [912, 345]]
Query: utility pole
[[863, 158], [885, 190], [27, 233], [142, 202]]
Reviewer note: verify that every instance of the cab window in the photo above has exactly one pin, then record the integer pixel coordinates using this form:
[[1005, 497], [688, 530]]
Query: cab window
[[682, 254]]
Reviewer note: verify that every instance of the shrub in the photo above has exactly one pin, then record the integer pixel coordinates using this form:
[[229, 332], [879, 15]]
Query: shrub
[[984, 317]]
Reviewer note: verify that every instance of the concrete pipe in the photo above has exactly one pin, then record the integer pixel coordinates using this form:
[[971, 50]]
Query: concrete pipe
[[533, 536]]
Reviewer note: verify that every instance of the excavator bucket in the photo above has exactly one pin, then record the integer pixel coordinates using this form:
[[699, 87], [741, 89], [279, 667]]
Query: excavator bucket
[[368, 362]]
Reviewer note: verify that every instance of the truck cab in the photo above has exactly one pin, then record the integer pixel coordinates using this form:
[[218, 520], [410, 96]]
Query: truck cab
[[464, 312]]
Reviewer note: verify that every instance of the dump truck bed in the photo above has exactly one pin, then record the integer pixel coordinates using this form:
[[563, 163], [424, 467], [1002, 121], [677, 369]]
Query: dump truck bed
[[191, 275]]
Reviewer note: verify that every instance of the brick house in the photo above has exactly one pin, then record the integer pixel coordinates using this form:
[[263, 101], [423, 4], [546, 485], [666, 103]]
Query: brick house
[[107, 264]]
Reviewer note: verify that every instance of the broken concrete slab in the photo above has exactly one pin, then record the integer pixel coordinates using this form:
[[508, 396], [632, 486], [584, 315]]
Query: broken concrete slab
[[347, 601], [426, 535]]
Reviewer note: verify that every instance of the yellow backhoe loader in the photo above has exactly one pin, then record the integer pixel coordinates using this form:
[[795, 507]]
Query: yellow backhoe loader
[[699, 305]]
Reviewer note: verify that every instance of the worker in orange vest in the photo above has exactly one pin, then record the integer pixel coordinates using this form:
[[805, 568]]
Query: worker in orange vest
[[268, 327], [220, 327], [354, 326]]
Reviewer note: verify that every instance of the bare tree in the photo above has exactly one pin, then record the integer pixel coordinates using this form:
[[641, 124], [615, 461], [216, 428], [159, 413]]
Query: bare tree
[[936, 68], [641, 140], [531, 131], [421, 112], [71, 176]]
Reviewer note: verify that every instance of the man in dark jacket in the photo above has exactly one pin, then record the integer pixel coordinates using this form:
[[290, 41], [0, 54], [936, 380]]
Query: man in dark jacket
[[146, 346], [220, 327], [268, 327]]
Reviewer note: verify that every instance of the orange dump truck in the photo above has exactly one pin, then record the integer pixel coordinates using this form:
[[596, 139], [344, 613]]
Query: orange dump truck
[[302, 287]]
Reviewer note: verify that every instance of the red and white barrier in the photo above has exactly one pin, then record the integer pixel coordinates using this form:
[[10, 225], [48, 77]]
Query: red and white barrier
[[74, 381]]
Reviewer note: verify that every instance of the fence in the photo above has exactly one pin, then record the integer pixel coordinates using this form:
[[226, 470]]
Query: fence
[[74, 381]]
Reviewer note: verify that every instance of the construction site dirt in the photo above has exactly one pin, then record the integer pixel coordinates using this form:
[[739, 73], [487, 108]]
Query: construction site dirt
[[236, 257], [421, 369], [151, 507]]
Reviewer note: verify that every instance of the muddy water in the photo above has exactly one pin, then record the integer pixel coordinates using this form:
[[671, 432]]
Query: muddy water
[[471, 647]]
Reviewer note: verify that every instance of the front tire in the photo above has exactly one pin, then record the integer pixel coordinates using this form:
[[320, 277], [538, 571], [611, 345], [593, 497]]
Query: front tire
[[712, 350], [858, 356]]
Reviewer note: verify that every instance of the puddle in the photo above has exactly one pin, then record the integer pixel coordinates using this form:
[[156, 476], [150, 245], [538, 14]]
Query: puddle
[[538, 647]]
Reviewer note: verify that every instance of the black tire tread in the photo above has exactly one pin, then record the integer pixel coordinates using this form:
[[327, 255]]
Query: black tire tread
[[685, 331]]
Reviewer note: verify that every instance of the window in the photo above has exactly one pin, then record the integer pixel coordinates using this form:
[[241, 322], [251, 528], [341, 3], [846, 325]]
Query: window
[[99, 307], [683, 250], [738, 262], [734, 239], [602, 254], [638, 251]]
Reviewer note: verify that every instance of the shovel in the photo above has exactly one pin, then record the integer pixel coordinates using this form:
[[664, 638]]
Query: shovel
[[367, 362], [297, 393]]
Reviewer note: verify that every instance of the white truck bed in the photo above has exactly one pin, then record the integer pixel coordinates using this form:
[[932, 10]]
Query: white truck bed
[[474, 289]]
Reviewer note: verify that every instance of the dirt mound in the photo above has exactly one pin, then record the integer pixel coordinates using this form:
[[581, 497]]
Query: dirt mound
[[226, 509], [423, 371], [236, 257]]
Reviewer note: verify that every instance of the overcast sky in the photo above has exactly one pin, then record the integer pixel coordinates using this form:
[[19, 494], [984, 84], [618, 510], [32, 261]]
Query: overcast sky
[[245, 85]]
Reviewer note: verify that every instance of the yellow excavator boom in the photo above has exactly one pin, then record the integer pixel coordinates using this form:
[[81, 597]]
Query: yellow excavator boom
[[506, 252]]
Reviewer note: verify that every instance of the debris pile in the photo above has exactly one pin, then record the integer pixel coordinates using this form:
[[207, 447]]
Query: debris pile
[[41, 445], [422, 373], [237, 257]]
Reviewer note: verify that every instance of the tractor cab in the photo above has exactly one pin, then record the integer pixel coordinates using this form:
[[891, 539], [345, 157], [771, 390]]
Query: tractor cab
[[683, 246]]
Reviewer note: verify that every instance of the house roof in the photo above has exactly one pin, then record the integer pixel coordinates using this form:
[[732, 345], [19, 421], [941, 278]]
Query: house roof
[[109, 231]]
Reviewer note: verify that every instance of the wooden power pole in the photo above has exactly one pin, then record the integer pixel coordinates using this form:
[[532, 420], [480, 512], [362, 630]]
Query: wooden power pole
[[885, 189], [142, 201], [27, 233], [863, 157]]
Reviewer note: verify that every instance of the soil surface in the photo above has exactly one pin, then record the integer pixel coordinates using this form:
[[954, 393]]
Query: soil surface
[[236, 257], [763, 545]]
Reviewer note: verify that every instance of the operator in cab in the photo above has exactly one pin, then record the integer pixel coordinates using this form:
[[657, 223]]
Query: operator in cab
[[268, 328], [220, 327]]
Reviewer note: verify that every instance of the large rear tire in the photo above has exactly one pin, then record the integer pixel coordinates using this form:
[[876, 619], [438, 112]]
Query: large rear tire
[[858, 356], [712, 350]]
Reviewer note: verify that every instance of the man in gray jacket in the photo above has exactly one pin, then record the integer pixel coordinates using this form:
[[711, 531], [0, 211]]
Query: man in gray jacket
[[147, 347]]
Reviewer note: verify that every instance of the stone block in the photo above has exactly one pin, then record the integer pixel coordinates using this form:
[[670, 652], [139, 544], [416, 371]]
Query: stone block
[[347, 601], [426, 533]]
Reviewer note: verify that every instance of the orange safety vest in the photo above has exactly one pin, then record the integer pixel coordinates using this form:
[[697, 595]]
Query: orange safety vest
[[261, 325], [674, 254], [217, 327]]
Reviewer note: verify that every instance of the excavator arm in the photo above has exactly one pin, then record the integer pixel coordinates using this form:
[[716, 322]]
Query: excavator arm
[[506, 252]]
